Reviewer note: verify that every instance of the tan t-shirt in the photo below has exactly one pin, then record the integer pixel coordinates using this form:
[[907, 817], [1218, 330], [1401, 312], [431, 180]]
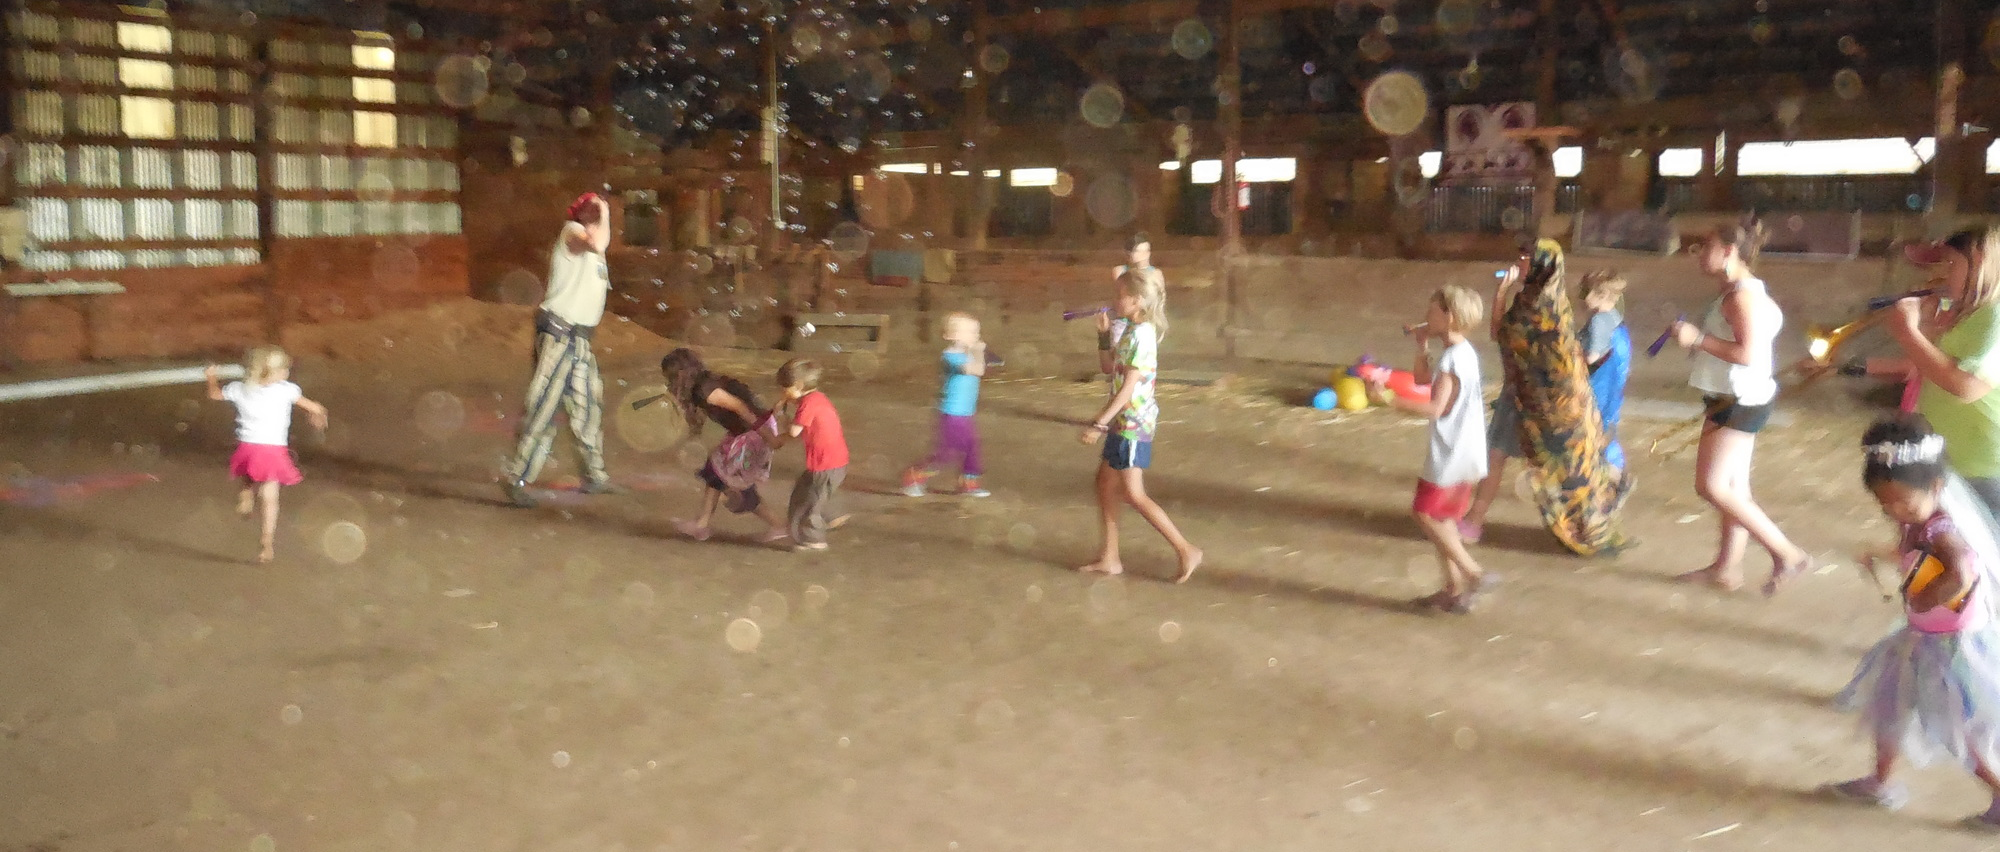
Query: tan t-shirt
[[578, 281]]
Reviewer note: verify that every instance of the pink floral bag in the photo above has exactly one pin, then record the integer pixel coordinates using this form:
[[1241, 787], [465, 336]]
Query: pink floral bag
[[744, 461]]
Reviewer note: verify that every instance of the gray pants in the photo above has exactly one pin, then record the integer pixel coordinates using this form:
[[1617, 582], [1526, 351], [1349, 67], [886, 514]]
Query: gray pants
[[565, 375], [815, 502]]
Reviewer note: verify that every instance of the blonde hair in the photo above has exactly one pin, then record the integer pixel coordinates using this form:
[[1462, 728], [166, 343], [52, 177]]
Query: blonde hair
[[1982, 273], [802, 373], [1150, 287], [956, 317], [265, 362], [1461, 305], [1606, 281]]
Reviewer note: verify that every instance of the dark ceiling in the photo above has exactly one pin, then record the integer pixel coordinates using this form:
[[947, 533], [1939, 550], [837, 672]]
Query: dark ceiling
[[684, 70]]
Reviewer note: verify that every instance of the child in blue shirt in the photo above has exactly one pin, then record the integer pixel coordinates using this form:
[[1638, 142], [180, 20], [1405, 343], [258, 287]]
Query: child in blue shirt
[[1607, 346], [963, 363]]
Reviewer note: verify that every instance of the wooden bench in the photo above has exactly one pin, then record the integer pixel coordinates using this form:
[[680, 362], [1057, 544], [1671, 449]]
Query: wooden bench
[[810, 333]]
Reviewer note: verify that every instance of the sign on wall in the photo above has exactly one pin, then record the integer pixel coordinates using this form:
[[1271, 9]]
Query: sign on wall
[[1477, 147]]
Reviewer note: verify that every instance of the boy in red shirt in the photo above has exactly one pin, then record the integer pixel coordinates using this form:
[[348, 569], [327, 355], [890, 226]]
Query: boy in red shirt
[[817, 425]]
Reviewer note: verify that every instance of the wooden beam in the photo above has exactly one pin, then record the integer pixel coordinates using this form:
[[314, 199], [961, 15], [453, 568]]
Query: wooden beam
[[1548, 48], [976, 137], [1948, 162], [1231, 119]]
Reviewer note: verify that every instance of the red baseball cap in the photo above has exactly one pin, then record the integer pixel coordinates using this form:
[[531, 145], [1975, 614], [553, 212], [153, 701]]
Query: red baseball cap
[[582, 201]]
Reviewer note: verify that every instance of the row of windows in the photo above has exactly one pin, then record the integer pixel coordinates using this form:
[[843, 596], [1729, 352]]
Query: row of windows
[[126, 35], [58, 220], [361, 127], [363, 218], [318, 171], [53, 114], [102, 166], [57, 261]]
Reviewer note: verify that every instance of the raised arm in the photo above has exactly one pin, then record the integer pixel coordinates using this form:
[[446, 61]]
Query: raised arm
[[214, 388], [1931, 362]]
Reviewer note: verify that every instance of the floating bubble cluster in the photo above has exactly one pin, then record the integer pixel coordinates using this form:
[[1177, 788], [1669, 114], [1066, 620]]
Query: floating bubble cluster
[[1396, 103]]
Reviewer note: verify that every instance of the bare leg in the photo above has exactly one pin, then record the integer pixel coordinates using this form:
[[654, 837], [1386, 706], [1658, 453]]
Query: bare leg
[[246, 501], [1461, 572], [1729, 491], [1489, 488], [1110, 501], [710, 498], [1134, 481], [268, 493]]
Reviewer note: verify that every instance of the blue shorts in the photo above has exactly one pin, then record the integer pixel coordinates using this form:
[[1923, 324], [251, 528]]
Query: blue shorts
[[1122, 453]]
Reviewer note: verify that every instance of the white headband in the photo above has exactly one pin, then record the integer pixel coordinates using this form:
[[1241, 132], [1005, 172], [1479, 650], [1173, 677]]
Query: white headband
[[1895, 454]]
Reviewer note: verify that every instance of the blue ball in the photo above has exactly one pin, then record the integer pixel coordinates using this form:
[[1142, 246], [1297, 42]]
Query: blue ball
[[1326, 399]]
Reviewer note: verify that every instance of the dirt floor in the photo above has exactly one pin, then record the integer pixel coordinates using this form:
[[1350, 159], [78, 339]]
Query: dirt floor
[[426, 669]]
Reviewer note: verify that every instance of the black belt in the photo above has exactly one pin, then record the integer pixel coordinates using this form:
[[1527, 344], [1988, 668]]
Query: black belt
[[548, 323]]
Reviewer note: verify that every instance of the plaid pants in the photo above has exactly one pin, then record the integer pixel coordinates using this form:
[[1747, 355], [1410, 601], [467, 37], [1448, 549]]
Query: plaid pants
[[565, 372]]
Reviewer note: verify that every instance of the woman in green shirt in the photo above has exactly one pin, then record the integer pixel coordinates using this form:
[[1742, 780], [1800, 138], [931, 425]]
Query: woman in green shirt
[[1957, 354]]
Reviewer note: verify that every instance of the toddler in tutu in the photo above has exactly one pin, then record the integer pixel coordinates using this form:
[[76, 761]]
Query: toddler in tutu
[[1932, 688], [263, 457]]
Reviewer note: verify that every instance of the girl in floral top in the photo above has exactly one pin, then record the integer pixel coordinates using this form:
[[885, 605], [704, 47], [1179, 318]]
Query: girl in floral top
[[1128, 421]]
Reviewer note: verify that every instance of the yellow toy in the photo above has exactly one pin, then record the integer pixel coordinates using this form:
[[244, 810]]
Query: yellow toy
[[1351, 391]]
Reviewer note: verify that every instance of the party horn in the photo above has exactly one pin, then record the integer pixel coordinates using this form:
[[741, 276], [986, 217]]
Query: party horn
[[1412, 329], [1881, 302], [642, 403], [1653, 351], [1089, 312]]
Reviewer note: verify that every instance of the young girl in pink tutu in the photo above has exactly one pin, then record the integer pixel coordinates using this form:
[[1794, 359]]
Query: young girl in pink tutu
[[1932, 688], [263, 457]]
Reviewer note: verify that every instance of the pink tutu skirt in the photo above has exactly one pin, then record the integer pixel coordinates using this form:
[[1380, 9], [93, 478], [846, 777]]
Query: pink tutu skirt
[[264, 463]]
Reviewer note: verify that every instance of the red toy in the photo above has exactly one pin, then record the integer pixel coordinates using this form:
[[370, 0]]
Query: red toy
[[1402, 383]]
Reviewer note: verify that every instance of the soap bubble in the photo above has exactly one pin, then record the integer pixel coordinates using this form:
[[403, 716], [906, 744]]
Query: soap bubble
[[1374, 47], [1513, 219], [560, 760], [1388, 25], [638, 595], [993, 59], [816, 596], [1107, 594], [1102, 105], [1847, 84], [713, 331], [1465, 738], [1191, 39], [1064, 185], [654, 428], [375, 186], [520, 287], [1170, 632], [263, 843], [1396, 103], [864, 365], [1021, 537], [770, 607], [1111, 201], [743, 635], [343, 542], [291, 714], [439, 414], [461, 81], [849, 241], [884, 201]]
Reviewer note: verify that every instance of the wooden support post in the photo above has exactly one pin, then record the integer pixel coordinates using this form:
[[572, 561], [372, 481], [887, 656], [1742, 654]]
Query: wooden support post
[[1948, 163], [1548, 46], [275, 310], [976, 135], [773, 146], [1231, 115]]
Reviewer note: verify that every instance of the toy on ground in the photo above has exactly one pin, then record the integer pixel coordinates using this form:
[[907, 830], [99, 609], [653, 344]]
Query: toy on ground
[[1326, 399], [1350, 393], [1402, 383]]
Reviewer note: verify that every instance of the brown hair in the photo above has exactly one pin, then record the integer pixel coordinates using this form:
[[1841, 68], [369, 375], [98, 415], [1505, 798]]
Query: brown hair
[[801, 373], [1133, 242], [684, 372], [1607, 281], [1746, 237]]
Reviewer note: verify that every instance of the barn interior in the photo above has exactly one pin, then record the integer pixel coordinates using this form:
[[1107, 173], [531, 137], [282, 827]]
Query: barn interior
[[377, 185]]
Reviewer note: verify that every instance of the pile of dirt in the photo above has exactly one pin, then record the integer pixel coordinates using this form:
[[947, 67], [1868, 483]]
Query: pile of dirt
[[464, 330]]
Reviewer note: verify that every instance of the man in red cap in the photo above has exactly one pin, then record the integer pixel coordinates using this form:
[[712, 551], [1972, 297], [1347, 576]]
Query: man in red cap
[[565, 368]]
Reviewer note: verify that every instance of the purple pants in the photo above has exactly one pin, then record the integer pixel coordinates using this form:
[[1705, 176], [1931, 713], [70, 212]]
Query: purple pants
[[957, 437]]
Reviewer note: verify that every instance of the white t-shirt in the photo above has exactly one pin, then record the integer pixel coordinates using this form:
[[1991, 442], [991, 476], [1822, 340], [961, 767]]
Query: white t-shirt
[[263, 412], [577, 281], [1458, 437]]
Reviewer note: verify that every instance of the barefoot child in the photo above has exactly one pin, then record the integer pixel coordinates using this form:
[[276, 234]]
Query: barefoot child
[[1457, 448], [263, 458], [1932, 688], [964, 362], [1503, 429], [815, 498], [1128, 443], [743, 460]]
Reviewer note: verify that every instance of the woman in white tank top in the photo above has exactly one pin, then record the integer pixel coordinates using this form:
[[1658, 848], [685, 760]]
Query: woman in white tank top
[[1734, 351]]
